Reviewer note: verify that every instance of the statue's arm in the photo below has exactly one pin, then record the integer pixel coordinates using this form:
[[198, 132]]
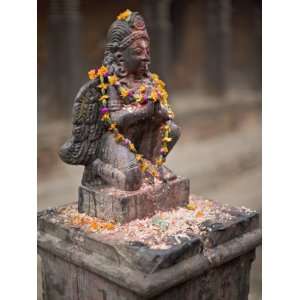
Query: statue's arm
[[126, 116]]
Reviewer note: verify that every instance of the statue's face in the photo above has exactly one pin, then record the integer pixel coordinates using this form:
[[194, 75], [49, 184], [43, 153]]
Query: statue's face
[[137, 57]]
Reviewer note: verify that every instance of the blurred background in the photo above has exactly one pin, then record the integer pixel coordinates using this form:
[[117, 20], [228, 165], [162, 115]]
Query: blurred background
[[209, 54]]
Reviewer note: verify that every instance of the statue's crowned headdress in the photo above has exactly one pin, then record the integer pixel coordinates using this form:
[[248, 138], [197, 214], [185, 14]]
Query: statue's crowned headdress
[[128, 27]]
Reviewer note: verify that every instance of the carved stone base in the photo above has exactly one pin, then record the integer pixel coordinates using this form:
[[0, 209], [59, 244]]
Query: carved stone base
[[124, 206], [83, 265]]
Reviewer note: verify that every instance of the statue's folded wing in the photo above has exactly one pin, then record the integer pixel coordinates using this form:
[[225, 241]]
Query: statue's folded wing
[[82, 147]]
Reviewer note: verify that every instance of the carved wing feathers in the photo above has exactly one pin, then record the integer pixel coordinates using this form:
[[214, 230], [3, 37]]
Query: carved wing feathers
[[81, 148]]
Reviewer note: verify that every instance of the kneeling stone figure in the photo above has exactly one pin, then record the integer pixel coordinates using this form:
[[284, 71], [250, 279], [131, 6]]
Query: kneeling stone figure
[[123, 126]]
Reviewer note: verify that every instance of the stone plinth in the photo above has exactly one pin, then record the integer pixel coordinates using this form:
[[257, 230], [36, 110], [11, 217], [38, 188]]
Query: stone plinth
[[212, 262], [124, 206]]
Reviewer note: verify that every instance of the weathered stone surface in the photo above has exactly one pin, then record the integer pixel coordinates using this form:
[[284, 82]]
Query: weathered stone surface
[[212, 266], [127, 135], [124, 206]]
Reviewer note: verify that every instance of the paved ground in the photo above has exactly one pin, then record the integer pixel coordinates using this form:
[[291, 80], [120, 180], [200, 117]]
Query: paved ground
[[224, 165]]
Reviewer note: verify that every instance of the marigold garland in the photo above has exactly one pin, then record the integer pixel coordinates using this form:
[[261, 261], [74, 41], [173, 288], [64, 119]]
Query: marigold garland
[[125, 15], [157, 93]]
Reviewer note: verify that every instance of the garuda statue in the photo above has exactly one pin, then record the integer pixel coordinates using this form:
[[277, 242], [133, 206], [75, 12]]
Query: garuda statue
[[123, 126]]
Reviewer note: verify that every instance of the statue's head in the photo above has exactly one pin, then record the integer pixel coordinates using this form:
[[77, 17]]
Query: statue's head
[[127, 48]]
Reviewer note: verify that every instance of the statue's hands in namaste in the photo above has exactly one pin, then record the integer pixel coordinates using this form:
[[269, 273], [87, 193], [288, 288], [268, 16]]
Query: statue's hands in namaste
[[149, 108]]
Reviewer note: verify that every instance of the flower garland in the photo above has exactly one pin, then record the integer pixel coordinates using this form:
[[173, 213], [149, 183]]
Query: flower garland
[[157, 93], [125, 15]]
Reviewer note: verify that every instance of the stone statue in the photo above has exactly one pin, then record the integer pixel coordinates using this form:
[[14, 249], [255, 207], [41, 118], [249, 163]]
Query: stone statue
[[123, 127]]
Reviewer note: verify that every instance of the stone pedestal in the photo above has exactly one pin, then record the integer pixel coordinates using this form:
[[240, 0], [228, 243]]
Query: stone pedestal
[[124, 206], [214, 264]]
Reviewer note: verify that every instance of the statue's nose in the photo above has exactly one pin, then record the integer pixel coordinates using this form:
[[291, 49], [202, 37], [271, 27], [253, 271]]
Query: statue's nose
[[146, 57]]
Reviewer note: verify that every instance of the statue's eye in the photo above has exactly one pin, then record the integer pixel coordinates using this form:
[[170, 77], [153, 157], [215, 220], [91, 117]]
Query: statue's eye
[[138, 51]]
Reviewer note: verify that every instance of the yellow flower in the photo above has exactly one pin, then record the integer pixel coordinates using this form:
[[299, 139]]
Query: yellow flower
[[102, 71], [159, 161], [123, 92], [109, 226], [154, 173], [124, 15], [112, 79], [138, 98], [154, 96], [132, 147], [103, 86], [144, 166], [92, 74], [154, 76], [119, 137], [142, 88], [112, 126], [167, 139], [164, 96], [191, 206], [164, 149], [139, 157], [167, 128], [94, 227], [104, 97], [105, 117], [161, 83]]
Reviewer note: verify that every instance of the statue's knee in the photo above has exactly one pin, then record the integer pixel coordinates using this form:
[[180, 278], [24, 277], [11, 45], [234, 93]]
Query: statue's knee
[[133, 179]]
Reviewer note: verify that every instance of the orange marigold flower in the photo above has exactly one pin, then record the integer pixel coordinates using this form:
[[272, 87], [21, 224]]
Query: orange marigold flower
[[109, 226], [199, 214], [92, 74], [154, 76], [142, 88], [159, 161], [119, 137], [139, 157], [132, 147], [167, 128], [112, 126], [105, 117], [124, 15], [102, 71], [154, 95], [94, 226], [161, 83], [164, 95], [154, 173], [144, 166], [112, 79]]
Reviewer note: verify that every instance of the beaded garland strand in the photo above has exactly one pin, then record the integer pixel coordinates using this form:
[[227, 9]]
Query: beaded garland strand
[[158, 93]]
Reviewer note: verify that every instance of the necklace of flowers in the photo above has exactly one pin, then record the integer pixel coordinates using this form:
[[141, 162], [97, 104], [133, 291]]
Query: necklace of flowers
[[139, 96]]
